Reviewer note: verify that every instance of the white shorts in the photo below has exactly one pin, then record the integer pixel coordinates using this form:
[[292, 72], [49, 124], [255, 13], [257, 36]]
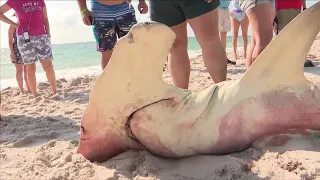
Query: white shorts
[[224, 20]]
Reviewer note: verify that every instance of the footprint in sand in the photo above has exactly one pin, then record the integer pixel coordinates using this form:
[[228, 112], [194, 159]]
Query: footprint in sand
[[76, 82], [38, 99], [85, 80], [68, 112]]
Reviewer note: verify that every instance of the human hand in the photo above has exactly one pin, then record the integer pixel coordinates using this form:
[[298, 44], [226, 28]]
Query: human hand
[[208, 1], [86, 18], [13, 57], [143, 7]]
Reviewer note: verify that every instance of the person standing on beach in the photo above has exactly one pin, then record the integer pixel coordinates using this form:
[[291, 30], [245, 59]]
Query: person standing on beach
[[33, 38], [239, 19], [202, 15], [261, 15], [224, 24], [21, 69], [286, 12], [109, 19]]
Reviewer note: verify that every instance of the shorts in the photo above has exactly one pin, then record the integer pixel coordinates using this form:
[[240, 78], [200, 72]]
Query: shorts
[[285, 16], [239, 16], [39, 48], [111, 22], [247, 5], [172, 13], [17, 53], [224, 20]]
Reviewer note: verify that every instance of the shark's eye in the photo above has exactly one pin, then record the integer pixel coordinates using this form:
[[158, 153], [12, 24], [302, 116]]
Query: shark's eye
[[148, 23]]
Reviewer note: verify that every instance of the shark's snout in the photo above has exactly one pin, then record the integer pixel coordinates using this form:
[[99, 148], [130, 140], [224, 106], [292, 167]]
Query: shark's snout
[[99, 147]]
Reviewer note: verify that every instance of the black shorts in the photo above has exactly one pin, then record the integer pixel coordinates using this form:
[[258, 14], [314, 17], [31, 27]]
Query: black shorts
[[174, 12]]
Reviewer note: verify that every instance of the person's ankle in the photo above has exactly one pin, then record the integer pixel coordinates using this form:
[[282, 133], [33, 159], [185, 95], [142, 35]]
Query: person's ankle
[[35, 95], [54, 91]]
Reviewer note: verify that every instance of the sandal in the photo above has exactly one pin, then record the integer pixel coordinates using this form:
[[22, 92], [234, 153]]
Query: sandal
[[308, 63], [231, 62]]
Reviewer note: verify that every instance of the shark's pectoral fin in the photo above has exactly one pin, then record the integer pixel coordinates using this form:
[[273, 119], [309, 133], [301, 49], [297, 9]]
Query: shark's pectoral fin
[[281, 62]]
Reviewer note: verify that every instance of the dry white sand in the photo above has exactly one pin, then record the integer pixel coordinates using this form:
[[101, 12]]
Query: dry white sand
[[38, 140]]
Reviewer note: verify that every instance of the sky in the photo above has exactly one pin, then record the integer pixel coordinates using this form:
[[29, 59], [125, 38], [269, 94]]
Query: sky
[[66, 24]]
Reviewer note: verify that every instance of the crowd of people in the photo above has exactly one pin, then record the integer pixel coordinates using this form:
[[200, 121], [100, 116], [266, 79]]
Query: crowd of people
[[210, 20]]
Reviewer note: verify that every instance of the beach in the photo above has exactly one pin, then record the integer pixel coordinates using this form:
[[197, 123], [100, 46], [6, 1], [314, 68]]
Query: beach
[[39, 138]]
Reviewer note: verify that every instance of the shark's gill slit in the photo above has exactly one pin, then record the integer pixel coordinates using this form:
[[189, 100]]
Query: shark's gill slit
[[128, 122]]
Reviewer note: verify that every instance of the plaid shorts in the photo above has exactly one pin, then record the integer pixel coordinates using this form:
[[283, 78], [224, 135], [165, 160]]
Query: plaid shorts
[[39, 48]]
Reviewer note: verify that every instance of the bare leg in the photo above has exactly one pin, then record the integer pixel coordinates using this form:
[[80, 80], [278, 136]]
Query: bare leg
[[48, 68], [244, 28], [223, 39], [250, 50], [235, 31], [105, 57], [31, 71], [260, 18], [214, 55], [19, 76], [178, 59], [25, 73]]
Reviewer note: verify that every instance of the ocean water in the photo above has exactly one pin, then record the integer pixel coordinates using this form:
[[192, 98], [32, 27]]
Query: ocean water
[[75, 59]]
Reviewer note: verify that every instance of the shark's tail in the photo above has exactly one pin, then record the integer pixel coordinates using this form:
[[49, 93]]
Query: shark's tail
[[281, 63]]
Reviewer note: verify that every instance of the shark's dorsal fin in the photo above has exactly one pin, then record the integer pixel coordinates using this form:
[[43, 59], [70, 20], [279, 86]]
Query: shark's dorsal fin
[[282, 61]]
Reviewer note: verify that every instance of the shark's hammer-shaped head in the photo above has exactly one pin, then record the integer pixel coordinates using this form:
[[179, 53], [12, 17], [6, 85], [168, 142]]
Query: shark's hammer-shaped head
[[131, 80]]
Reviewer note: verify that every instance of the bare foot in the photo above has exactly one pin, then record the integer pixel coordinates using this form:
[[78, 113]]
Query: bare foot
[[235, 56], [35, 95], [53, 93]]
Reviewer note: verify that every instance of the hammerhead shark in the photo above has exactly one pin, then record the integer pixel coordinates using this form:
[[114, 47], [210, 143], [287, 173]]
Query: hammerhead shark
[[131, 107]]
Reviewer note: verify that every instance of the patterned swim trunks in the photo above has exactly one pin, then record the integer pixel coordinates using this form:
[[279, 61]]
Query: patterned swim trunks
[[111, 22], [39, 48], [17, 53], [16, 49]]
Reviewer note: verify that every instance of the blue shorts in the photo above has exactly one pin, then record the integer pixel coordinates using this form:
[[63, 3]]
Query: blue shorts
[[111, 22]]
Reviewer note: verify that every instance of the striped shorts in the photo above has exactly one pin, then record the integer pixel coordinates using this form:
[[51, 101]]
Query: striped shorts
[[111, 22]]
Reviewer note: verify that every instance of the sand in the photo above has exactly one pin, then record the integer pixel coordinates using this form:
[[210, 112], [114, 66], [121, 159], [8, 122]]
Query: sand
[[38, 140]]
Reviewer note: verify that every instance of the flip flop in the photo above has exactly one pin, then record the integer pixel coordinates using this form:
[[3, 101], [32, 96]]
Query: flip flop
[[308, 63], [231, 62]]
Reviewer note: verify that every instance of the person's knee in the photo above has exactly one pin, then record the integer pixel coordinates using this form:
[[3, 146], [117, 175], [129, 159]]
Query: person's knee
[[234, 38], [179, 47], [48, 67], [31, 70], [106, 55], [19, 70], [223, 35], [257, 50], [264, 38], [244, 37]]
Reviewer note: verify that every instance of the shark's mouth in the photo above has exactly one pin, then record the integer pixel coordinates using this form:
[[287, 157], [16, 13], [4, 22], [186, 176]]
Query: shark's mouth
[[128, 122]]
